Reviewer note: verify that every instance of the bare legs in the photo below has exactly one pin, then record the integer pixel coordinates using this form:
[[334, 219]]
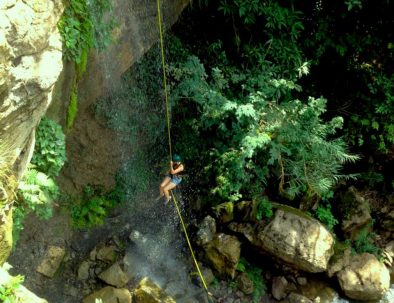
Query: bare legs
[[165, 188], [163, 184]]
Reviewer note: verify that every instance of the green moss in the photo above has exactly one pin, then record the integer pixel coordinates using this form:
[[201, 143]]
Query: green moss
[[292, 210], [80, 67], [72, 107]]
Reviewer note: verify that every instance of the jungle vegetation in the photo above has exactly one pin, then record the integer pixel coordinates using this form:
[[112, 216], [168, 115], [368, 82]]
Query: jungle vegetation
[[283, 98]]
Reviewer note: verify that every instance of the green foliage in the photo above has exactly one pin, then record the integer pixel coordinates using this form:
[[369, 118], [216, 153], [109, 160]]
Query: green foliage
[[325, 215], [377, 124], [92, 208], [8, 289], [50, 149], [264, 209], [351, 4], [76, 28], [255, 275], [72, 107], [37, 190], [83, 26], [254, 137], [364, 242], [282, 29], [36, 193]]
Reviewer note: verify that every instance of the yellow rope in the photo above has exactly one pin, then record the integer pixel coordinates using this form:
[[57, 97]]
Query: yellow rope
[[170, 147], [164, 76]]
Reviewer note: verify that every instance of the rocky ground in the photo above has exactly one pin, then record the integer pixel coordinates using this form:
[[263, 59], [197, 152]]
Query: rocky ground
[[144, 240]]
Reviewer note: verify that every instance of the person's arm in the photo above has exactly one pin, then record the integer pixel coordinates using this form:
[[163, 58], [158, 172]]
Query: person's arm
[[177, 170]]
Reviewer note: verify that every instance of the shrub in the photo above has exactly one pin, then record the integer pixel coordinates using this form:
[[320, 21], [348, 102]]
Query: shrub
[[92, 208], [50, 150], [36, 193], [325, 215], [7, 289], [364, 242], [264, 209], [262, 134]]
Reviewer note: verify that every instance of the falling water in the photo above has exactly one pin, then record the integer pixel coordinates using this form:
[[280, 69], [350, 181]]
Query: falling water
[[158, 249]]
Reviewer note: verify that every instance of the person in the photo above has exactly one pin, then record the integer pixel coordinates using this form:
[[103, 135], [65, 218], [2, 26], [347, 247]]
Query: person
[[172, 179]]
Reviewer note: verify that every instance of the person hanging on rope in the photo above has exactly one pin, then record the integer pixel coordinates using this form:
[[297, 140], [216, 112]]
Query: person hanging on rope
[[173, 177]]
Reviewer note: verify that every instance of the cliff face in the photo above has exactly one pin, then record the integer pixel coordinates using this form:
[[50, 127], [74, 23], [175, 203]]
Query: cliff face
[[94, 153], [30, 63], [33, 77]]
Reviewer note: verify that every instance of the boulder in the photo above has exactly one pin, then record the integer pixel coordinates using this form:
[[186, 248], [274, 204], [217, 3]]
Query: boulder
[[149, 292], [279, 285], [83, 270], [297, 298], [317, 291], [109, 295], [223, 252], [206, 230], [340, 263], [297, 239], [107, 254], [365, 278], [114, 276], [51, 261], [388, 255]]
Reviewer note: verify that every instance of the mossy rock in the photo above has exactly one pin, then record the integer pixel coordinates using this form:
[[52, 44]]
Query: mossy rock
[[6, 237]]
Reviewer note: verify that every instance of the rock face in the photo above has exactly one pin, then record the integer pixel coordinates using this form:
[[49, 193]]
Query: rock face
[[30, 64], [149, 292], [298, 240], [223, 252], [95, 152], [355, 210], [365, 278], [109, 295], [5, 237]]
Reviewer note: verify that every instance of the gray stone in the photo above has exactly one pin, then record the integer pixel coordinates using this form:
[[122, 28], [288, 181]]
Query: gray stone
[[302, 281], [206, 231], [114, 276], [297, 298], [149, 292], [51, 261], [83, 270], [107, 254], [109, 295], [279, 285], [223, 252]]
